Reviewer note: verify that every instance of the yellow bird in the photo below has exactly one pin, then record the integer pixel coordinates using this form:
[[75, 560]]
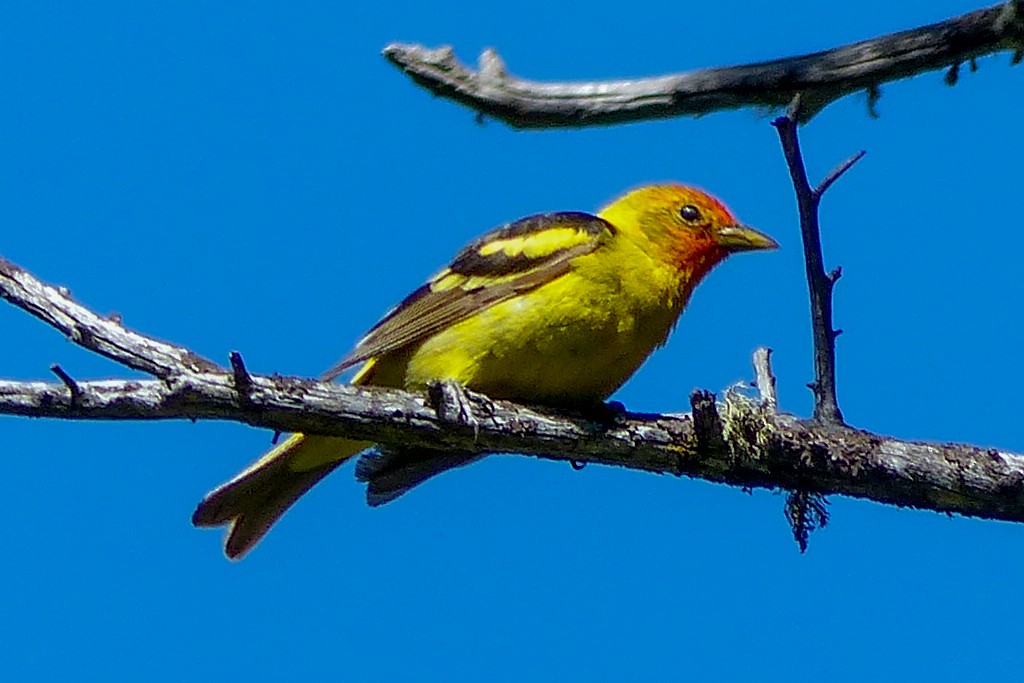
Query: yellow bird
[[556, 309]]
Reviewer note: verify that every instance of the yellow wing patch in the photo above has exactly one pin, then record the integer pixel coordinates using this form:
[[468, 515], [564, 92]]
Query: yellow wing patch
[[537, 245]]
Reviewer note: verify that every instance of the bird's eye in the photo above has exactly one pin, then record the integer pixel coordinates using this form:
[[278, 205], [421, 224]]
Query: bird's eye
[[690, 213]]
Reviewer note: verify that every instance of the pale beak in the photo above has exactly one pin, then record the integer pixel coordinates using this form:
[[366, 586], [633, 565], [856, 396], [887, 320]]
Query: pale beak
[[742, 238]]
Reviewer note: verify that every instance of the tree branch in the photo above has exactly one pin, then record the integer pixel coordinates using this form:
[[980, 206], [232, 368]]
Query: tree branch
[[821, 78], [740, 441], [106, 336], [806, 510], [820, 285], [757, 447]]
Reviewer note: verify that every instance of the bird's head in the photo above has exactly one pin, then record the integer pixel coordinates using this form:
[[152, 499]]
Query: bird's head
[[684, 226]]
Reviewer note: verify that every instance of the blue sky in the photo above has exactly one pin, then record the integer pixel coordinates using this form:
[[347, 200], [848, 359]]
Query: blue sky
[[258, 178]]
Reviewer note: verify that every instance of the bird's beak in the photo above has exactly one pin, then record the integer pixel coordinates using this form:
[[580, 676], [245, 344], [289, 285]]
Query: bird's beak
[[742, 238]]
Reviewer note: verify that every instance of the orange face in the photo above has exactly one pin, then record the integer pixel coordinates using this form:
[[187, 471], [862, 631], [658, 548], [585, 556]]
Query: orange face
[[693, 230]]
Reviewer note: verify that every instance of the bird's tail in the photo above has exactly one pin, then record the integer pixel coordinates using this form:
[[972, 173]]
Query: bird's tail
[[251, 502], [390, 472]]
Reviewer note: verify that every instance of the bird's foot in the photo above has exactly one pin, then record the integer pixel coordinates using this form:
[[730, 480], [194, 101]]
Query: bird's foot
[[453, 405], [604, 414]]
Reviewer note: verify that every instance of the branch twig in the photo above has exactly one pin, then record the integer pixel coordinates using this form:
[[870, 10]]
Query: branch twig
[[105, 336], [241, 377], [74, 391], [826, 405], [821, 78], [765, 378]]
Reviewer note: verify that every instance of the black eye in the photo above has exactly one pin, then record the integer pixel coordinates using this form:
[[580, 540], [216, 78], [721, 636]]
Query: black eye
[[690, 213]]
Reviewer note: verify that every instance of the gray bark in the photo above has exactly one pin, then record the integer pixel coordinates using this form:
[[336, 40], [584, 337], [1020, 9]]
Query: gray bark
[[820, 78]]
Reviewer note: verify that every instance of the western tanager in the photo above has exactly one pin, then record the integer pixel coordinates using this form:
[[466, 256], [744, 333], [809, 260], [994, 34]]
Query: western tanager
[[557, 309]]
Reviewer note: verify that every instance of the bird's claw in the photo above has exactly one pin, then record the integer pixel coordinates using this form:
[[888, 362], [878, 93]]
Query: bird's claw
[[453, 405]]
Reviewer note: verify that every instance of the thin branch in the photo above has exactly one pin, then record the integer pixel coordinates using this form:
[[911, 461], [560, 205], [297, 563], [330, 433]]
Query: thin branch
[[74, 392], [765, 378], [826, 405], [105, 336], [821, 77], [758, 448], [241, 377], [836, 173]]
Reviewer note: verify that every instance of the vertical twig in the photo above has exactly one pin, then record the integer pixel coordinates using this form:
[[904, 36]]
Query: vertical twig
[[707, 424], [242, 378], [74, 390], [820, 284], [765, 378]]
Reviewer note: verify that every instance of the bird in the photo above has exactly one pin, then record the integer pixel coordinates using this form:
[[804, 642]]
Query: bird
[[554, 309]]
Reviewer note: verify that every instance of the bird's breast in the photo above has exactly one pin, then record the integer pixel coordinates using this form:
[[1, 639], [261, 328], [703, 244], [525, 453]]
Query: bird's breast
[[568, 342]]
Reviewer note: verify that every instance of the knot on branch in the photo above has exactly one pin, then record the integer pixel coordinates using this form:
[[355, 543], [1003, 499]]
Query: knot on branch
[[707, 425], [492, 66], [242, 379]]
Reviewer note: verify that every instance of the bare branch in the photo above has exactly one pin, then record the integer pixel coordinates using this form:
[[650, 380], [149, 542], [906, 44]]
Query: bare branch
[[74, 392], [821, 77], [765, 378], [106, 336], [836, 173], [758, 448], [826, 405], [240, 375]]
